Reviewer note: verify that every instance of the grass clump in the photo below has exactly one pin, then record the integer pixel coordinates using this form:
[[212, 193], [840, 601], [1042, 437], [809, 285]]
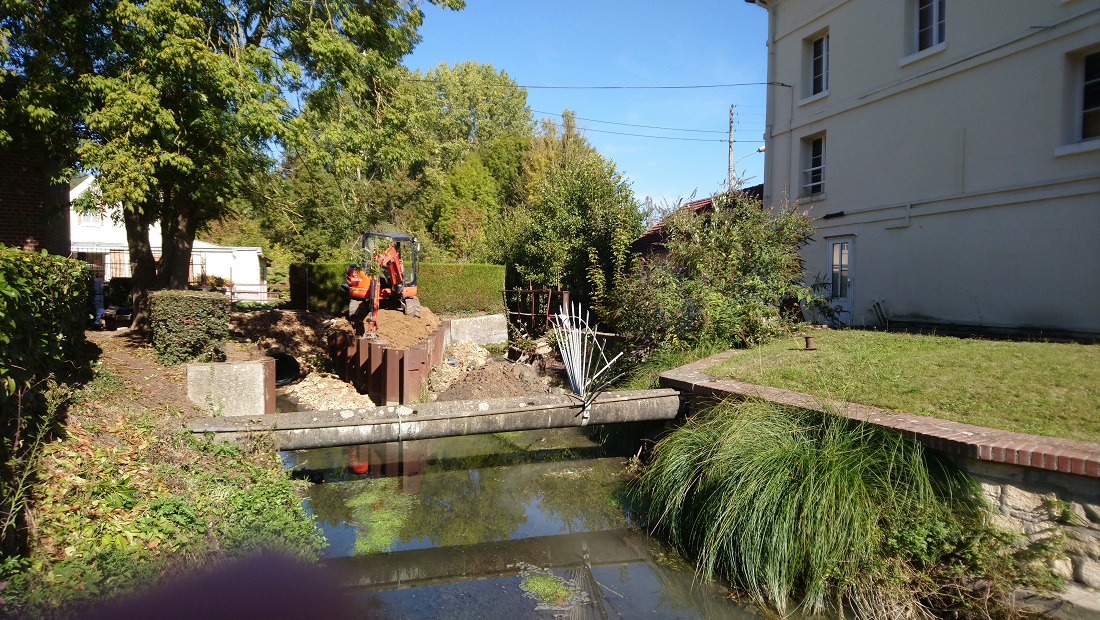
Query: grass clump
[[811, 510], [1043, 388], [549, 588]]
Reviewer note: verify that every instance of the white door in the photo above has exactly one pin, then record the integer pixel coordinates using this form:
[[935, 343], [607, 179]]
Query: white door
[[840, 276]]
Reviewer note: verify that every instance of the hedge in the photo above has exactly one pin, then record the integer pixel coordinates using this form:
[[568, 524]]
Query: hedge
[[43, 311], [189, 326], [462, 288], [453, 288]]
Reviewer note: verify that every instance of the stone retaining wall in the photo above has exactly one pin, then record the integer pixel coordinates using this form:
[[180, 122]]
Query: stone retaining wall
[[1044, 488], [1060, 510]]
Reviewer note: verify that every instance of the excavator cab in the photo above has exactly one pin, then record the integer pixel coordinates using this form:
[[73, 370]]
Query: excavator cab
[[387, 280]]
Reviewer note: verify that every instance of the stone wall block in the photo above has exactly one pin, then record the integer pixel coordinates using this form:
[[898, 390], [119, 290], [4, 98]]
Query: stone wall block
[[1091, 513], [1083, 542], [992, 493], [1016, 499], [1062, 567], [1087, 571], [993, 470]]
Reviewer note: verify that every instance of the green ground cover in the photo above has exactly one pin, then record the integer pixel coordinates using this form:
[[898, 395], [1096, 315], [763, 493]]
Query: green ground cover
[[1042, 388]]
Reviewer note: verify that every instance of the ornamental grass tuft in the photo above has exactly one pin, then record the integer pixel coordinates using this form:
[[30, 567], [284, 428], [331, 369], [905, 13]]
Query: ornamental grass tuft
[[806, 509]]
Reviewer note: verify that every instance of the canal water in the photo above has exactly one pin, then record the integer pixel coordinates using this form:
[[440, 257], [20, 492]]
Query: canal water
[[514, 525]]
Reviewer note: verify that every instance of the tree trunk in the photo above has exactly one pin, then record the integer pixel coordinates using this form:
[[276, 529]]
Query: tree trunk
[[143, 269], [178, 229]]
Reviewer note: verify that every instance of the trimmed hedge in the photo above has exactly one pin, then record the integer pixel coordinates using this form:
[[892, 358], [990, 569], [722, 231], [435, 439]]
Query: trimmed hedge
[[189, 326], [453, 288], [118, 292], [316, 287], [43, 310], [461, 288]]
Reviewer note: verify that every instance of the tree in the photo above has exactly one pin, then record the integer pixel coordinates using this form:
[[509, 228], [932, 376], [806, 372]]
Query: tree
[[725, 278], [577, 219], [465, 208], [174, 104], [474, 107]]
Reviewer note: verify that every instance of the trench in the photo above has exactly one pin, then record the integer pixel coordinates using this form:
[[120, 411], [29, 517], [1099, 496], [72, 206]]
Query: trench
[[460, 527]]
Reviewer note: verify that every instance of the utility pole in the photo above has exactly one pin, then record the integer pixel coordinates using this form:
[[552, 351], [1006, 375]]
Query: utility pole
[[732, 114]]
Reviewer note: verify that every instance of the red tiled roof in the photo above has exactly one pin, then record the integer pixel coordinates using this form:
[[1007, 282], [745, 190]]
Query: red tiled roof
[[655, 235]]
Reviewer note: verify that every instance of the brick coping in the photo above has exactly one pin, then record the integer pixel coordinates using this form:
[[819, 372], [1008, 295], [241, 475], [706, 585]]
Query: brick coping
[[976, 442]]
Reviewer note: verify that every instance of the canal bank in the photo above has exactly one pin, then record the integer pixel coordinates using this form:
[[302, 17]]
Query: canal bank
[[1044, 489]]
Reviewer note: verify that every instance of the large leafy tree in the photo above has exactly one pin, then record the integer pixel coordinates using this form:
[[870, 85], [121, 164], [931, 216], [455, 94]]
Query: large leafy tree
[[175, 104], [577, 218]]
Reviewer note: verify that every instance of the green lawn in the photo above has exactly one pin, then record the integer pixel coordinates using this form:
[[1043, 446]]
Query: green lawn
[[1041, 388]]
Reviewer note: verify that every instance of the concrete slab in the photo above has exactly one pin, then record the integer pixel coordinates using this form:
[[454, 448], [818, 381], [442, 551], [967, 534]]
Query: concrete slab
[[233, 388], [488, 329]]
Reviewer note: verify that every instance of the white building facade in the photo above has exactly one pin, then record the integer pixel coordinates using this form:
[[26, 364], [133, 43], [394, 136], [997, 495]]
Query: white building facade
[[950, 153], [100, 240]]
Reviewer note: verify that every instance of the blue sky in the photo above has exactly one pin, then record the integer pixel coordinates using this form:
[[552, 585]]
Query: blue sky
[[615, 42]]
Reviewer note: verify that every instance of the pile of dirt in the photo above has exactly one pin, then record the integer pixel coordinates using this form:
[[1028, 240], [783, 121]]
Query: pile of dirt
[[321, 391], [303, 335], [469, 372], [399, 331], [498, 380]]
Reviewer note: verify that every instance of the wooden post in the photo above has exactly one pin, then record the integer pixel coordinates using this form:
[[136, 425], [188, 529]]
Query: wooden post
[[531, 290]]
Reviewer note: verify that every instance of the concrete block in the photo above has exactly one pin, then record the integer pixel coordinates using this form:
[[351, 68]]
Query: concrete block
[[233, 388], [488, 329]]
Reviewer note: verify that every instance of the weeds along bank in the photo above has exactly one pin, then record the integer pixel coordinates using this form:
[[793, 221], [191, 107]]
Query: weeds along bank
[[120, 502], [102, 496], [812, 511]]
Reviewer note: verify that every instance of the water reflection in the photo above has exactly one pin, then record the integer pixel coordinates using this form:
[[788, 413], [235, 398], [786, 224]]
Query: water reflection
[[440, 528]]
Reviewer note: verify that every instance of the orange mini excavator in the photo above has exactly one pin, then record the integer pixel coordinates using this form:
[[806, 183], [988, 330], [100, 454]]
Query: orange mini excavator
[[385, 281]]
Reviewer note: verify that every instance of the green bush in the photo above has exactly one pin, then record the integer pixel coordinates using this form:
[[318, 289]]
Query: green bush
[[725, 278], [118, 293], [461, 288], [189, 326], [445, 288], [792, 505], [316, 287], [43, 310]]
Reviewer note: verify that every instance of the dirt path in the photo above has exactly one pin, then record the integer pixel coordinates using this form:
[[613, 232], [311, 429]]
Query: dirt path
[[156, 387]]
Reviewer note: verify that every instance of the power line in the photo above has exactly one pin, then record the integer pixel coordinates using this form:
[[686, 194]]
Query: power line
[[638, 135], [636, 87], [623, 86], [593, 120]]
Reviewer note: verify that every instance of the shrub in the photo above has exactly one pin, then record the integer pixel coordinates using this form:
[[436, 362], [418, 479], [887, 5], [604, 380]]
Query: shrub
[[118, 292], [189, 326], [726, 277], [43, 310], [795, 505], [461, 287], [316, 287]]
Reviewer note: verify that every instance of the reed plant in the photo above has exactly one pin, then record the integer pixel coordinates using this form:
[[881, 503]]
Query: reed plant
[[812, 510]]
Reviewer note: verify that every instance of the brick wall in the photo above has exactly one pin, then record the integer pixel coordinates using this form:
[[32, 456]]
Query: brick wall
[[34, 213]]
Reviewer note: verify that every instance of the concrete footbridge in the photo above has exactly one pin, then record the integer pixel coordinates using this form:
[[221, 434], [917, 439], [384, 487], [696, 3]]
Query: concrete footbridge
[[348, 427]]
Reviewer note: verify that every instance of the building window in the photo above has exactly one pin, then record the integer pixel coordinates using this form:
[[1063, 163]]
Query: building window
[[1090, 97], [931, 29], [816, 64], [839, 281], [813, 165], [91, 218]]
